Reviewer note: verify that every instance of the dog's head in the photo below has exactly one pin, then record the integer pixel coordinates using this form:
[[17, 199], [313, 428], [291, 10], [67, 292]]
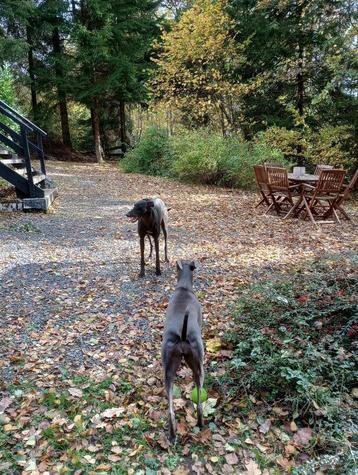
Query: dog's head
[[187, 267], [140, 208]]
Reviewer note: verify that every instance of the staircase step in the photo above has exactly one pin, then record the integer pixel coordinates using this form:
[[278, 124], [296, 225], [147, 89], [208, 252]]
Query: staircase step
[[38, 178], [4, 152], [11, 161], [21, 171]]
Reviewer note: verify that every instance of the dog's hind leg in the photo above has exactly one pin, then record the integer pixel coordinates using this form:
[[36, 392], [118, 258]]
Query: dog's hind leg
[[199, 381], [171, 362], [194, 361], [165, 234]]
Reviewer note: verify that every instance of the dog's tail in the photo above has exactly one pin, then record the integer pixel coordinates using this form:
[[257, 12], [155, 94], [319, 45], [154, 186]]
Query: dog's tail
[[185, 326]]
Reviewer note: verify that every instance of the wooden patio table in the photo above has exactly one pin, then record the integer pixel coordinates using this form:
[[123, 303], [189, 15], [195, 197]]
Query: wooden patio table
[[301, 180]]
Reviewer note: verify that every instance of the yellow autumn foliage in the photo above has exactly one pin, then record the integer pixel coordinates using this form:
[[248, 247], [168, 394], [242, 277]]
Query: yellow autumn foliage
[[197, 63]]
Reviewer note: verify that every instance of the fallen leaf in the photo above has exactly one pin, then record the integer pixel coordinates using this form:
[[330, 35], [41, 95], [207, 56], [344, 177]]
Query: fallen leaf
[[284, 463], [213, 345], [302, 436], [5, 403], [231, 458], [75, 392], [112, 412], [265, 427], [163, 442], [293, 426], [252, 468], [136, 450], [181, 471], [89, 459]]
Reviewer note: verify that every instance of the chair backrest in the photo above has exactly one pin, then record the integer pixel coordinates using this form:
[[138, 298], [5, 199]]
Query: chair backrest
[[277, 178], [261, 175], [272, 164], [319, 168], [351, 184], [330, 181]]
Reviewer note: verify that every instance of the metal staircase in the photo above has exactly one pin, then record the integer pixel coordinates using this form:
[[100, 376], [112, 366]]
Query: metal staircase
[[20, 141]]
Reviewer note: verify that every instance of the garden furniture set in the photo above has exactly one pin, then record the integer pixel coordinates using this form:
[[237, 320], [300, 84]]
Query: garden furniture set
[[318, 197]]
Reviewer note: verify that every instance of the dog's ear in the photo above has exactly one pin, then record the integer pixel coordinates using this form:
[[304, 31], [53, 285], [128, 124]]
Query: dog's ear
[[179, 265], [195, 265], [150, 204]]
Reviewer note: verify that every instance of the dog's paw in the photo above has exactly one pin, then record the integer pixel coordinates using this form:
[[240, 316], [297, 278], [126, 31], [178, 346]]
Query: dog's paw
[[141, 274], [158, 272]]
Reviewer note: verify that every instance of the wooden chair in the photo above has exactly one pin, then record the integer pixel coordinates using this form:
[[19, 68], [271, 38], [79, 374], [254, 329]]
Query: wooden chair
[[320, 201], [261, 179], [281, 192], [319, 168], [347, 189]]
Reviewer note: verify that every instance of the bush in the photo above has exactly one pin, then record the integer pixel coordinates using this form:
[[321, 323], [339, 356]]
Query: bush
[[152, 155], [329, 145], [333, 146], [206, 157], [239, 158], [199, 156], [294, 341], [284, 140]]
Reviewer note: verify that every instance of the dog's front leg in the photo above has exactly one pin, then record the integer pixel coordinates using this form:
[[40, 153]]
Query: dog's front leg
[[142, 263], [157, 261]]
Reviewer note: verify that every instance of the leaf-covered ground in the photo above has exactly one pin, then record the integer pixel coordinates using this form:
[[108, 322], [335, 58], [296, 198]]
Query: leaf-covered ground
[[80, 375]]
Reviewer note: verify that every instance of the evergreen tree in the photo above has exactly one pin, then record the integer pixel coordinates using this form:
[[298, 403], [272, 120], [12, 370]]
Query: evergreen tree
[[112, 45], [300, 50]]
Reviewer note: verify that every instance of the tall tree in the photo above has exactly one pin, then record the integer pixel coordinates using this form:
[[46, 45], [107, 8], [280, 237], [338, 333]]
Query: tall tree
[[112, 52], [290, 46], [196, 65]]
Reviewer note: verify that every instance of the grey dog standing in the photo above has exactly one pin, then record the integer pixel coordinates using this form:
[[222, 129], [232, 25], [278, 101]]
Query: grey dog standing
[[182, 338], [152, 217]]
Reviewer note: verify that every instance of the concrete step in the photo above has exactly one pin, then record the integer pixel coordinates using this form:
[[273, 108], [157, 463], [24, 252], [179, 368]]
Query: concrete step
[[40, 203], [38, 178]]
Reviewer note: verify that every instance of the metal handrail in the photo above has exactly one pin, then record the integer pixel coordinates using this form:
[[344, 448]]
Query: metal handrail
[[18, 117]]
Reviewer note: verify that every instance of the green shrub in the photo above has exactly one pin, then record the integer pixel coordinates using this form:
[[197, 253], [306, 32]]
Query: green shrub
[[152, 154], [333, 146], [284, 140], [197, 156], [239, 158], [206, 157], [294, 340], [329, 145]]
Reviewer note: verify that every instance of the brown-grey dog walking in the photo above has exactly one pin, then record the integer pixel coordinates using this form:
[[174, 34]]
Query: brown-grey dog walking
[[182, 338], [152, 217]]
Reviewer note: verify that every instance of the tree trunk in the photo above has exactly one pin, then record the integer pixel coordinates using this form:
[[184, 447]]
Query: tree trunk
[[300, 83], [300, 100], [96, 129], [30, 57], [66, 135], [122, 123]]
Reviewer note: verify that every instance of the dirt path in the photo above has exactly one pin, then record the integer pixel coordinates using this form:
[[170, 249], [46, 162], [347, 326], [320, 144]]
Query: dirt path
[[71, 302]]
